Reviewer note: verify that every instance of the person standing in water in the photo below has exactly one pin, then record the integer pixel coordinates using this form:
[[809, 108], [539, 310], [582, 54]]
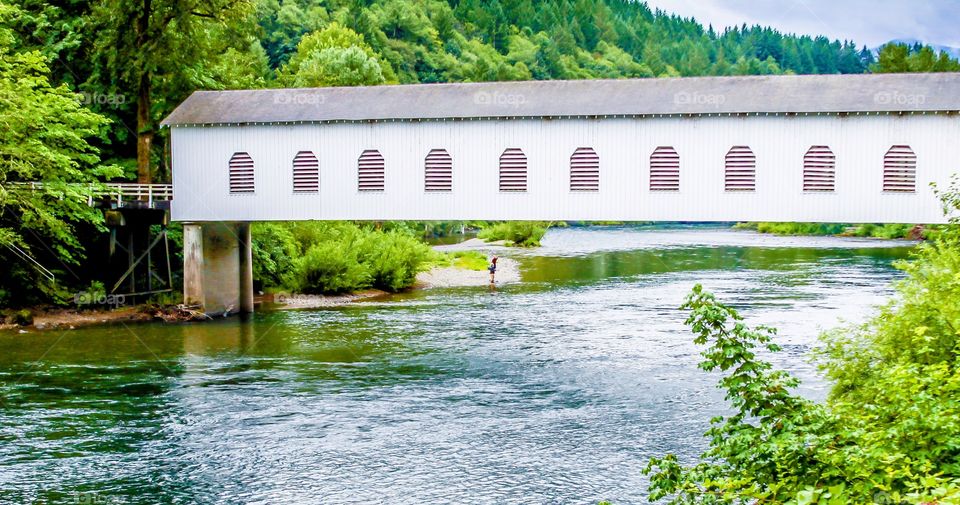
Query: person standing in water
[[493, 269]]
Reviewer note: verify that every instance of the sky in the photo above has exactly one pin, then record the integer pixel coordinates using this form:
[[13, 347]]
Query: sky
[[866, 22]]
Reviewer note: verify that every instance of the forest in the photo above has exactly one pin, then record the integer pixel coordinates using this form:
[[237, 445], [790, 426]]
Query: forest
[[84, 85]]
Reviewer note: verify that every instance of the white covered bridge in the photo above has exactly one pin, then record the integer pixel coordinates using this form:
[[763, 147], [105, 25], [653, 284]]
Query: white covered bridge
[[850, 148]]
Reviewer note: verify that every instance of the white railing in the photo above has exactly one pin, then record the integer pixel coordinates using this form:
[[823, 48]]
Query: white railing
[[117, 191], [133, 191]]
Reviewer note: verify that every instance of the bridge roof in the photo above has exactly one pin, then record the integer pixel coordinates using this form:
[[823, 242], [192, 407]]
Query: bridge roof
[[851, 93]]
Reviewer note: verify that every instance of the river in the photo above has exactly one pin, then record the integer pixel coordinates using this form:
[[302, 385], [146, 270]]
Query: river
[[554, 390]]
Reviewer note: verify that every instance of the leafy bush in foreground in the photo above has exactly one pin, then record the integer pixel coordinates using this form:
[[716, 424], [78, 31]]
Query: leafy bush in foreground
[[889, 432], [393, 259], [336, 257], [516, 233]]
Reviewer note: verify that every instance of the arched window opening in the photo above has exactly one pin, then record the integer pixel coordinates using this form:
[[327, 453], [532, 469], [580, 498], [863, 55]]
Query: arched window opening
[[900, 170], [306, 173], [584, 170], [370, 171], [664, 169], [241, 173], [438, 171], [740, 169], [513, 170], [819, 169]]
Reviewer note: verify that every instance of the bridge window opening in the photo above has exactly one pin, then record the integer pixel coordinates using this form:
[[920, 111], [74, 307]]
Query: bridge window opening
[[438, 171], [513, 170], [241, 173], [900, 170], [664, 169], [370, 171], [819, 169], [740, 169], [584, 170], [306, 173]]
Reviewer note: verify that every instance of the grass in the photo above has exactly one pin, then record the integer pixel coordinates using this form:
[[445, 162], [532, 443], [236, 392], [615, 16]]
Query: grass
[[468, 260]]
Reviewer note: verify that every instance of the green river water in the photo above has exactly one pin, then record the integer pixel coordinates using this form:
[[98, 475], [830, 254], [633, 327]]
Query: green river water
[[553, 390]]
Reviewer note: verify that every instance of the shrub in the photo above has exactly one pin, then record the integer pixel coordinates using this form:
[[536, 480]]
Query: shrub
[[889, 431], [516, 233], [329, 267], [274, 248], [795, 228], [338, 257], [393, 259], [888, 231]]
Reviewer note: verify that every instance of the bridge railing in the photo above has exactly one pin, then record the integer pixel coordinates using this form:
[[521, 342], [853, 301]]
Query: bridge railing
[[133, 191], [116, 191]]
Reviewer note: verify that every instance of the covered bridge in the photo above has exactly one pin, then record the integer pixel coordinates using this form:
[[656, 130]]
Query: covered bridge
[[828, 148]]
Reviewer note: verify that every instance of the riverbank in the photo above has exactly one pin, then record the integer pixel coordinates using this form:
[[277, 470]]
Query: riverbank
[[445, 276], [58, 318], [508, 271], [878, 231]]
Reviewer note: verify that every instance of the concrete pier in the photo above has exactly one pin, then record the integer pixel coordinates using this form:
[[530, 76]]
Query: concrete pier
[[218, 267]]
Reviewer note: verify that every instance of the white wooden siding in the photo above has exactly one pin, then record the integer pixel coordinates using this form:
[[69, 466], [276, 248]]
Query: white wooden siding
[[201, 155]]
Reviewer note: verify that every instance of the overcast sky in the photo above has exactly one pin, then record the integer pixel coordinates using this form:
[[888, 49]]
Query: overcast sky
[[870, 22]]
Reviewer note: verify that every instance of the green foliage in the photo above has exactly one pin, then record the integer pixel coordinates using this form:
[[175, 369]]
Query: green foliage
[[469, 260], [890, 429], [795, 228], [46, 136], [149, 56], [516, 233], [330, 267], [247, 68], [274, 249], [333, 56], [916, 58], [22, 317], [887, 231], [335, 257], [890, 432], [394, 259]]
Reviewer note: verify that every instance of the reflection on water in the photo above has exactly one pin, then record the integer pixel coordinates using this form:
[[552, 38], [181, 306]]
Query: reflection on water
[[557, 389]]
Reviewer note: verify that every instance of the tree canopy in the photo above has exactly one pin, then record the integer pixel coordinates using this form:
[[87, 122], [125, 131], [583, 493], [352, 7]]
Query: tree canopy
[[45, 136]]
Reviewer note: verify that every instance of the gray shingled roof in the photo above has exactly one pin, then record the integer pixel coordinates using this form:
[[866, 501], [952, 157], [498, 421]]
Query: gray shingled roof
[[691, 95]]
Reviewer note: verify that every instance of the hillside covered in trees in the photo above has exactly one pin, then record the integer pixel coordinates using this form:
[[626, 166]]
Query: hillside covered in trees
[[133, 62]]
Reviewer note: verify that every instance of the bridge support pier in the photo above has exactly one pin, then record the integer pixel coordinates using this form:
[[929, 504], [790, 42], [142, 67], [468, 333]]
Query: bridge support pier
[[218, 267]]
